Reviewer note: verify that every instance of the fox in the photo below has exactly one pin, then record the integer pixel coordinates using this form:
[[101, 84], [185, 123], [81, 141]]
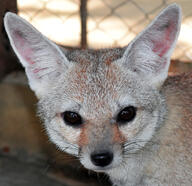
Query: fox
[[116, 109]]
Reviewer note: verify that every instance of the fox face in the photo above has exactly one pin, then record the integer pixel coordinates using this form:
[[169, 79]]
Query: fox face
[[99, 105], [106, 108]]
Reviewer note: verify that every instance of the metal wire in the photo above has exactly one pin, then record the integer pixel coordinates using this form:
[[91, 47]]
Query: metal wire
[[104, 23]]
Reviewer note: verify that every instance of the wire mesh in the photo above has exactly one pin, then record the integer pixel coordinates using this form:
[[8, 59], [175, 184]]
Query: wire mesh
[[59, 20], [110, 23]]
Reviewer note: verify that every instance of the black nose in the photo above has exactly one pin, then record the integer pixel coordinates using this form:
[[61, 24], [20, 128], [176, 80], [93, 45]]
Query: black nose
[[101, 159]]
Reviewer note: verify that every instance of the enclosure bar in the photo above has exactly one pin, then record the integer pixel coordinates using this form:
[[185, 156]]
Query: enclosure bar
[[83, 14]]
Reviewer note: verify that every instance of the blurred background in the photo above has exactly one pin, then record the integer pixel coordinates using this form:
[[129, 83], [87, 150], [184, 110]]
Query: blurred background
[[106, 23], [26, 155]]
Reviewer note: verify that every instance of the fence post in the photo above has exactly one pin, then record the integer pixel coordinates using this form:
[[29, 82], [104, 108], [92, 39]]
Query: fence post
[[83, 17]]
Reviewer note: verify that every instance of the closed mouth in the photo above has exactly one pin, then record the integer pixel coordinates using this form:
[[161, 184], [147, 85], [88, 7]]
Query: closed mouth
[[103, 169]]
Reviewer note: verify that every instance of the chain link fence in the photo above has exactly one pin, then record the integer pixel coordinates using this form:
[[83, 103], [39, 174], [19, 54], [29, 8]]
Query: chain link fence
[[102, 23], [59, 20]]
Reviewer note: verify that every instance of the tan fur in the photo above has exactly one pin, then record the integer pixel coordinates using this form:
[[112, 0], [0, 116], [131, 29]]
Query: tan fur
[[83, 138], [117, 136]]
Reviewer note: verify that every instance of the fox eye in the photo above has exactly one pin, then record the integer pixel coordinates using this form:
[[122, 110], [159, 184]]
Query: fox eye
[[71, 118], [126, 115]]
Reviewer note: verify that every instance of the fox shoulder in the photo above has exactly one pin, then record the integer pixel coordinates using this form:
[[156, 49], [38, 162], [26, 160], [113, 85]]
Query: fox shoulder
[[178, 94], [177, 131]]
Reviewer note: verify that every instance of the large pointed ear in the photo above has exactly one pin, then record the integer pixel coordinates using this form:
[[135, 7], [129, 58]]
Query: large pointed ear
[[149, 53], [42, 59]]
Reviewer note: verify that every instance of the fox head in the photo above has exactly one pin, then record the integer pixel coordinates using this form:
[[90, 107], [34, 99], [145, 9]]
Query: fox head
[[99, 105]]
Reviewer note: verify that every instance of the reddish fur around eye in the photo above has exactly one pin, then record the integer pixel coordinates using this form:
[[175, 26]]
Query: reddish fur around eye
[[83, 138], [117, 136]]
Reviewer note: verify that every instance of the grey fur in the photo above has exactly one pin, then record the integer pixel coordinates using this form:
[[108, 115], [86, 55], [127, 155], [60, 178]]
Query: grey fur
[[98, 84]]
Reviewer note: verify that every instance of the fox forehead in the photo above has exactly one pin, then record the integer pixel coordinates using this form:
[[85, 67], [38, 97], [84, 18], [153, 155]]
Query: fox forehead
[[96, 85], [94, 80], [95, 56]]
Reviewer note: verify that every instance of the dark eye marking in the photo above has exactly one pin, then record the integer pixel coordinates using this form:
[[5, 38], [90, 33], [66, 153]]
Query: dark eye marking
[[126, 115], [72, 118]]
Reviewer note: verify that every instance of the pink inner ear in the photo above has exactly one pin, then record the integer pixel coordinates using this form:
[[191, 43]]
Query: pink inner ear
[[23, 47], [162, 46], [36, 70]]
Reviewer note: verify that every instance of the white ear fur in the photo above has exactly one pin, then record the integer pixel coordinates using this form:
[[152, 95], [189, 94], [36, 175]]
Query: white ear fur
[[42, 59], [149, 53]]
